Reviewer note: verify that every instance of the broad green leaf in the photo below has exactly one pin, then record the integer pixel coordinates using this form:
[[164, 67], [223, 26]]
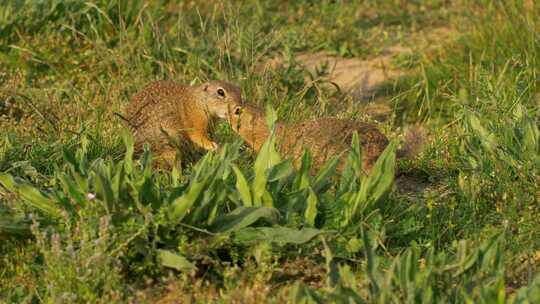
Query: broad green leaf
[[146, 161], [118, 181], [243, 187], [181, 205], [282, 235], [14, 226], [356, 152], [128, 143], [148, 194], [375, 186], [70, 159], [104, 189], [204, 171], [37, 200], [258, 186], [214, 210], [311, 209], [170, 259], [266, 159], [487, 138], [352, 167], [212, 195], [175, 176], [371, 261], [267, 199], [81, 155], [302, 180], [31, 195], [332, 274], [358, 200], [491, 251], [281, 170], [69, 186], [531, 139], [242, 217], [323, 179], [383, 172], [467, 264], [234, 197], [271, 116], [8, 182]]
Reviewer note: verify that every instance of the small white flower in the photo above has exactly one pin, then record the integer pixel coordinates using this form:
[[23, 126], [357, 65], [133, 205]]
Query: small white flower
[[91, 196]]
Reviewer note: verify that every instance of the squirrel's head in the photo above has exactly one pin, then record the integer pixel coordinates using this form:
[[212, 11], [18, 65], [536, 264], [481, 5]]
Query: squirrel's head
[[236, 115], [249, 121], [246, 117], [219, 97]]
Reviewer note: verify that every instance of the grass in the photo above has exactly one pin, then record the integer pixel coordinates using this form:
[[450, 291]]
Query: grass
[[82, 219]]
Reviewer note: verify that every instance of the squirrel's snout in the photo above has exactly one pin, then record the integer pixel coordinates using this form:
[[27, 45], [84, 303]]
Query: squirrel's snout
[[223, 114]]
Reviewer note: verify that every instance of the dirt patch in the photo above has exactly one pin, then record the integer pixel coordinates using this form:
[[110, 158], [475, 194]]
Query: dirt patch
[[356, 77], [363, 78]]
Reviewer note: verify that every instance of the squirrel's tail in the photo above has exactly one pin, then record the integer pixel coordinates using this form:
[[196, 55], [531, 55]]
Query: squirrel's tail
[[414, 140]]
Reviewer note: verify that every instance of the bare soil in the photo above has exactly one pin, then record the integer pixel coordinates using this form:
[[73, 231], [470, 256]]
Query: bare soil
[[356, 77]]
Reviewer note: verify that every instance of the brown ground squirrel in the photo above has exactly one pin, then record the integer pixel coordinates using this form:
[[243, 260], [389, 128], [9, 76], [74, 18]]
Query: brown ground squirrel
[[166, 111], [324, 137]]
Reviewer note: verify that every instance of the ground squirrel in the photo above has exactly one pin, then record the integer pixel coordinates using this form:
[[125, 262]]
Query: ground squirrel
[[324, 137], [165, 111]]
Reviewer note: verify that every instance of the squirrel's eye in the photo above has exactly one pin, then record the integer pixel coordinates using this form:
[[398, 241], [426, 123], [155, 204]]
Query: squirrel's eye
[[221, 92], [237, 111]]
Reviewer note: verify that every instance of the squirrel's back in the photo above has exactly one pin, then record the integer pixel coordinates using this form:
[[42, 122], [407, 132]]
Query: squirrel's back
[[159, 105], [325, 137], [328, 137]]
